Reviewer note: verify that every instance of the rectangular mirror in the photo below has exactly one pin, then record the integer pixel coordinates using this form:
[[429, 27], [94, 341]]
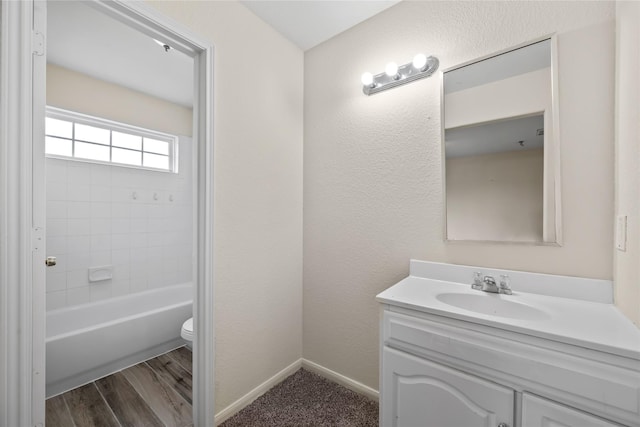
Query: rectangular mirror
[[501, 148]]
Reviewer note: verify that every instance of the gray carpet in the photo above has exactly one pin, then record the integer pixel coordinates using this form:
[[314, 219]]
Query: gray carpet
[[307, 400]]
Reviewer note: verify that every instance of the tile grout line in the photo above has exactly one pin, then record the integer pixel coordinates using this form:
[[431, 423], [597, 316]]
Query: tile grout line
[[107, 403]]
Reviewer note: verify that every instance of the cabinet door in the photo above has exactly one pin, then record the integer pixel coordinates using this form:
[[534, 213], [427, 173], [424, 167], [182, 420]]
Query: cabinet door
[[538, 412], [419, 393]]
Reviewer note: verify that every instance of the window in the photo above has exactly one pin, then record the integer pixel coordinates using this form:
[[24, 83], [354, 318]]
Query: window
[[86, 138]]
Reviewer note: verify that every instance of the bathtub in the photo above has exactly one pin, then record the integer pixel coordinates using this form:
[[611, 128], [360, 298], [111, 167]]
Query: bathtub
[[89, 341]]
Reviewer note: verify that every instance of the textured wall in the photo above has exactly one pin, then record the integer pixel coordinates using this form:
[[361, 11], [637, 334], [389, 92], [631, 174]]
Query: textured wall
[[372, 165], [258, 193], [627, 268]]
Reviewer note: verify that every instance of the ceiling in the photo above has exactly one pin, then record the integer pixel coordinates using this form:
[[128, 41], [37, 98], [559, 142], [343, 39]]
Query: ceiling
[[495, 137], [307, 23], [85, 40], [526, 59]]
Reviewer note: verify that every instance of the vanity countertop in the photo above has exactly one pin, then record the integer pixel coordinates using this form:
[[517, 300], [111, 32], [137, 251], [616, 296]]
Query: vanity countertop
[[595, 325]]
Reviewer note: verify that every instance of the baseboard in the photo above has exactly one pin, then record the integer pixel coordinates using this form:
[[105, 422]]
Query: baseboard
[[327, 373], [347, 382], [248, 398]]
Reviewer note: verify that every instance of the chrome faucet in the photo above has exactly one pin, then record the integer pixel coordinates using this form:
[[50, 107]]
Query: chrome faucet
[[488, 284]]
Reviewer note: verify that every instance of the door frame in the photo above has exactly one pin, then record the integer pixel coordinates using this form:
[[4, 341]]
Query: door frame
[[22, 192]]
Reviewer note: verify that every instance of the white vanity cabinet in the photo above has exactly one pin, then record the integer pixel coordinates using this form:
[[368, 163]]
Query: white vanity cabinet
[[559, 362], [544, 413]]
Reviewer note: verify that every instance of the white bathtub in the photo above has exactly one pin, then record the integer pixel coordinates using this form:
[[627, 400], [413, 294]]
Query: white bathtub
[[90, 341]]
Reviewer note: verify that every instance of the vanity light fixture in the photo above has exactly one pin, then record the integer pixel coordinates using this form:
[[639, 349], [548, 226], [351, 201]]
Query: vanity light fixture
[[394, 75]]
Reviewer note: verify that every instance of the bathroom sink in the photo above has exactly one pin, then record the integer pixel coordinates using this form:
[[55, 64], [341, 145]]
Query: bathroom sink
[[493, 305]]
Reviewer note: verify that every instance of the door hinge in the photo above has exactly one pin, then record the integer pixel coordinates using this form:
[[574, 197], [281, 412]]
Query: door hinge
[[37, 237], [38, 43]]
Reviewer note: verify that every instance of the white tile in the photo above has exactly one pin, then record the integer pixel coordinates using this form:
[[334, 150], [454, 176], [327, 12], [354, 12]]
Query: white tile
[[120, 287], [99, 291], [156, 225], [138, 225], [120, 256], [56, 227], [78, 260], [77, 278], [57, 245], [56, 209], [78, 226], [138, 285], [170, 264], [139, 271], [120, 210], [121, 272], [139, 210], [56, 191], [139, 241], [121, 177], [99, 258], [120, 241], [56, 281], [77, 244], [77, 296], [139, 256], [101, 242], [100, 193], [79, 192], [79, 172], [122, 195], [100, 226], [157, 211], [155, 239], [56, 171], [79, 210], [56, 300], [101, 175], [101, 209], [120, 225]]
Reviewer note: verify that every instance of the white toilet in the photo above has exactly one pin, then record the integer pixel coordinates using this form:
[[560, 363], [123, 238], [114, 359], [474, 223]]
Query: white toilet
[[187, 332]]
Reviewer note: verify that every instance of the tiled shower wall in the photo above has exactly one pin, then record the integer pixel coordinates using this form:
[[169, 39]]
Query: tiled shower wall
[[138, 221]]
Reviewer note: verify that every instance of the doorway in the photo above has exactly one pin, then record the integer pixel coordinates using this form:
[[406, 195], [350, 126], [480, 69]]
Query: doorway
[[23, 228]]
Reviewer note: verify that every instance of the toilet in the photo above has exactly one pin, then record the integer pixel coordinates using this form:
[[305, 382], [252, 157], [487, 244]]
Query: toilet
[[187, 332]]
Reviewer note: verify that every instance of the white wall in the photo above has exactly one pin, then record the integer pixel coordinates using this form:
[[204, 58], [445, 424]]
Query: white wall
[[495, 196], [627, 268], [258, 193], [515, 96], [70, 90], [373, 193], [94, 221]]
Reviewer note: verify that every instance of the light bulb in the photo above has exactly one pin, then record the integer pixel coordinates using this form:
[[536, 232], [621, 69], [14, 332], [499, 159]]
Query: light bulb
[[391, 69], [367, 79], [419, 62]]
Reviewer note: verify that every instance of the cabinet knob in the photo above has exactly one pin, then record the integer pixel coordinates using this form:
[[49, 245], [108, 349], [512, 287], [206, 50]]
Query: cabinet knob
[[503, 425], [50, 261]]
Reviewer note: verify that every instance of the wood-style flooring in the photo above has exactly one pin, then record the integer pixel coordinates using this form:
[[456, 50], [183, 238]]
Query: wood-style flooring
[[152, 393]]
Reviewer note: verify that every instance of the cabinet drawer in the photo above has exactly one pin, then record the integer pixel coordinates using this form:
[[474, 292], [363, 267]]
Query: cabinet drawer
[[538, 412]]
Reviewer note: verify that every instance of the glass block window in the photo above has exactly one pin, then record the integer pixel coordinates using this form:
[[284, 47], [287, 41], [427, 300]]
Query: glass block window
[[92, 139]]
